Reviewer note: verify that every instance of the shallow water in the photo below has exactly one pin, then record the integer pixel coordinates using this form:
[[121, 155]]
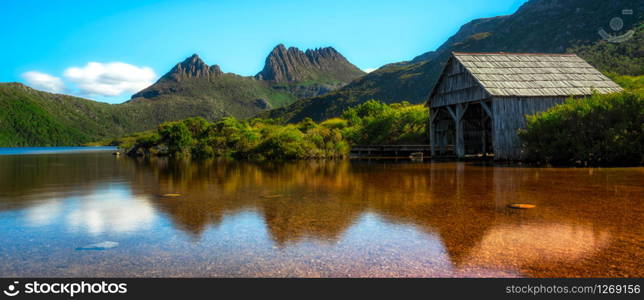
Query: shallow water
[[94, 214]]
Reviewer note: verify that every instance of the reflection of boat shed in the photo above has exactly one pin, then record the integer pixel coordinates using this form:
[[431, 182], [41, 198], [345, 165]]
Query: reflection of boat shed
[[480, 99]]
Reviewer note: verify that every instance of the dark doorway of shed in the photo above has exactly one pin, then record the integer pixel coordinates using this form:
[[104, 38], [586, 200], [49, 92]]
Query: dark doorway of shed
[[445, 131], [477, 130]]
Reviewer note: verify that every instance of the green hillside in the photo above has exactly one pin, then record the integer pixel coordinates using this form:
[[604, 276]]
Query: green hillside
[[29, 117], [226, 95], [626, 58]]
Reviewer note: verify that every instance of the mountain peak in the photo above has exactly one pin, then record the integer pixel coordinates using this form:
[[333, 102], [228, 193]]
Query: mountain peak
[[292, 64], [194, 56], [192, 67], [280, 46]]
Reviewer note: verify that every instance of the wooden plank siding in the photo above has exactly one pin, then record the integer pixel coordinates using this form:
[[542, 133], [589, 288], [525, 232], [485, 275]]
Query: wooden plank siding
[[457, 86], [509, 117], [460, 96]]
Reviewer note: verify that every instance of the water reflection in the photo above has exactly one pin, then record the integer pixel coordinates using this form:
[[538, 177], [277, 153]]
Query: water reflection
[[108, 209], [335, 218], [534, 245], [112, 210]]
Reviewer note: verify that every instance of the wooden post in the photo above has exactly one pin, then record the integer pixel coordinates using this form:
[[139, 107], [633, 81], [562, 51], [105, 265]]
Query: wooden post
[[457, 115], [460, 140], [455, 118], [489, 113], [432, 130], [483, 132]]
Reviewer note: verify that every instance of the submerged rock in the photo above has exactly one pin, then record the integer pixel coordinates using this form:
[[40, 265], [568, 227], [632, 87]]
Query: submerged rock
[[99, 246], [272, 196], [170, 195], [521, 206]]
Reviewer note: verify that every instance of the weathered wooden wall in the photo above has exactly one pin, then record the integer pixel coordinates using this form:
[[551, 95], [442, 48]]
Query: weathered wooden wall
[[457, 86], [509, 116]]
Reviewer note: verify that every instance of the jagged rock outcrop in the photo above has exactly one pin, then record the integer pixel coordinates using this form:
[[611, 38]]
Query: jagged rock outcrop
[[192, 67], [292, 65]]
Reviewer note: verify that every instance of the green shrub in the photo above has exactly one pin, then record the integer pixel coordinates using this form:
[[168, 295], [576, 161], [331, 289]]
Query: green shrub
[[375, 122], [282, 143], [633, 84], [335, 123], [599, 129], [176, 136], [202, 150]]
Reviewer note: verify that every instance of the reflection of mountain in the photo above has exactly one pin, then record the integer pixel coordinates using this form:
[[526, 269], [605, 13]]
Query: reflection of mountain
[[292, 206], [535, 246], [585, 220], [465, 205]]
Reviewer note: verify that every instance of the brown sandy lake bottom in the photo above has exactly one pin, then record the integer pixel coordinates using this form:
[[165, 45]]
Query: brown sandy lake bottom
[[94, 214]]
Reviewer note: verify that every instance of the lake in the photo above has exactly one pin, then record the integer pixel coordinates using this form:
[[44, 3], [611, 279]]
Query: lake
[[94, 214], [52, 150]]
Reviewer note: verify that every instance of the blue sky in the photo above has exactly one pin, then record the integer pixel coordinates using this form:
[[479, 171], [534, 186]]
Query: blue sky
[[105, 50]]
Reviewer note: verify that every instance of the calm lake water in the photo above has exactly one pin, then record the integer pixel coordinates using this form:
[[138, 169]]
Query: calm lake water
[[50, 150], [94, 214]]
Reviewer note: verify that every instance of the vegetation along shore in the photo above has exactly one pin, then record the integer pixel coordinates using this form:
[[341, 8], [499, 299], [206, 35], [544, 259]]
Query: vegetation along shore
[[259, 139]]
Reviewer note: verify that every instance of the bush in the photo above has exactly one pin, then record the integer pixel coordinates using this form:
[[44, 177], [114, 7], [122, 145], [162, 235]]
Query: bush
[[335, 123], [600, 129], [375, 122], [282, 143], [176, 136]]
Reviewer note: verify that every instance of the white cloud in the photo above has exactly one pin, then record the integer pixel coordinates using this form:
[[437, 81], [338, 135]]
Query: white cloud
[[110, 79], [43, 81], [369, 70]]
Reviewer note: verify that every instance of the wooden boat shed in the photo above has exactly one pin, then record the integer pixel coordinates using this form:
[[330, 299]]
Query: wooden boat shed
[[480, 99]]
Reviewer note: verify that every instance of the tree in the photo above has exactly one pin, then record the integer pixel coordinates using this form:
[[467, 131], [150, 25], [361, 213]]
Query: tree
[[176, 136]]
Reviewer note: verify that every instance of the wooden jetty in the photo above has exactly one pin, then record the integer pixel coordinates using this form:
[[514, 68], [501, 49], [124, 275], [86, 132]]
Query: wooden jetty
[[401, 151]]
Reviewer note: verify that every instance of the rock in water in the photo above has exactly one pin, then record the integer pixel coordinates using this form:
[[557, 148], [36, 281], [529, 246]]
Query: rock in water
[[171, 195], [99, 246], [521, 206]]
